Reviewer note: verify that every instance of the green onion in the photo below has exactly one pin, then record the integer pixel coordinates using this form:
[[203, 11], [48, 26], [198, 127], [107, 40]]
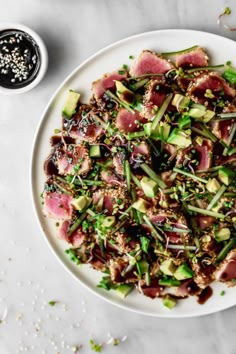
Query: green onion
[[216, 197], [123, 104], [155, 149], [65, 191], [153, 175], [205, 212], [127, 174], [144, 243], [200, 132], [134, 135], [161, 111], [180, 51], [76, 224], [225, 250], [212, 67], [142, 76], [209, 170], [176, 229], [138, 84], [175, 169], [224, 116], [105, 125], [135, 180], [181, 247], [147, 278], [225, 152], [125, 213], [153, 229], [211, 136]]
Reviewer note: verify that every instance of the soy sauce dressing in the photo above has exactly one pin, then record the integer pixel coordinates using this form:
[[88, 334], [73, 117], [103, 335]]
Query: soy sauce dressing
[[19, 59]]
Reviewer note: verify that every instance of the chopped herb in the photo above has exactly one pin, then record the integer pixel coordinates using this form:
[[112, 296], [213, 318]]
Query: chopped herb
[[121, 72], [95, 347], [222, 293], [52, 303], [144, 243], [131, 57]]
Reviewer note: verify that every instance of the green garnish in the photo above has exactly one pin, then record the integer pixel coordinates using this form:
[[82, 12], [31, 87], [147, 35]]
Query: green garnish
[[217, 197], [95, 347], [153, 175], [73, 256], [205, 212], [225, 250], [222, 293], [127, 174], [180, 51], [52, 303], [144, 243], [161, 112], [191, 175]]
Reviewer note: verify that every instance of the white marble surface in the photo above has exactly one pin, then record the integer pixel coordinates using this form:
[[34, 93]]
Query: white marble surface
[[30, 276]]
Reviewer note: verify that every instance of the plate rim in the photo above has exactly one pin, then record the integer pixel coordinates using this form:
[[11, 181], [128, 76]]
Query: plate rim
[[123, 306]]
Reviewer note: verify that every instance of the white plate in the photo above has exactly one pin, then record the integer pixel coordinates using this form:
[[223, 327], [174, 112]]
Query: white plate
[[113, 57]]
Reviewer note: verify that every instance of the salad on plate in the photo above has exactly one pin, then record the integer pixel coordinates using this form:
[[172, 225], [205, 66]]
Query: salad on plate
[[141, 180]]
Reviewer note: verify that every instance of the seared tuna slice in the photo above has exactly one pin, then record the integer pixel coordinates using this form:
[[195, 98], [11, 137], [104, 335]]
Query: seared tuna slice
[[110, 197], [141, 149], [187, 287], [204, 154], [153, 290], [213, 82], [57, 205], [150, 63], [83, 126], [110, 178], [195, 58], [222, 129], [120, 272], [203, 276], [127, 121], [73, 160], [107, 82], [76, 239], [226, 272], [118, 162], [153, 99], [204, 222]]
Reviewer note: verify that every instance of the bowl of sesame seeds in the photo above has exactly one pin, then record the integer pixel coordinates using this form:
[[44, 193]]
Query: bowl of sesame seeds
[[23, 59]]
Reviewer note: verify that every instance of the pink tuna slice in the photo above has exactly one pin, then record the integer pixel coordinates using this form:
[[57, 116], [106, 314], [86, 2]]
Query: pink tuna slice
[[150, 63], [187, 287], [153, 99], [211, 81], [153, 290], [203, 222], [107, 82], [76, 239], [127, 121], [68, 160], [226, 272], [58, 205], [83, 126], [108, 200], [118, 162], [141, 148], [194, 58], [204, 154], [222, 130], [110, 178]]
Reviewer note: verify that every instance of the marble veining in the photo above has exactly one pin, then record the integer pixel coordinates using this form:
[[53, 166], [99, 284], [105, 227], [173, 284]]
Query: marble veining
[[30, 275]]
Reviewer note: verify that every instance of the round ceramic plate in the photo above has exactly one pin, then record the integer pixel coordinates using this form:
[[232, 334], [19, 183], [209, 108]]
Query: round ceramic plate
[[113, 57]]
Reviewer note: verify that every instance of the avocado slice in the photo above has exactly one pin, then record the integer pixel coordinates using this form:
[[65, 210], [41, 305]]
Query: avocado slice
[[183, 272], [222, 234], [168, 267], [141, 205], [196, 113], [81, 202], [124, 93], [226, 175], [169, 282], [180, 138], [208, 116], [109, 221], [180, 101], [95, 151], [213, 185], [124, 289], [70, 104], [169, 302], [149, 187]]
